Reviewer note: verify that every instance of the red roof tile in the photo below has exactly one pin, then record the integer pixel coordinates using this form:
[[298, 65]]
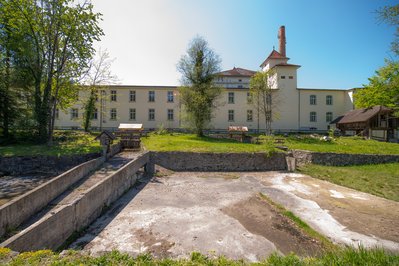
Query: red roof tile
[[273, 55], [237, 72]]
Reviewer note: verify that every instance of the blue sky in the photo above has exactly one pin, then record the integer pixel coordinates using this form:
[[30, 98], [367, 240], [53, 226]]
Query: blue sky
[[338, 43]]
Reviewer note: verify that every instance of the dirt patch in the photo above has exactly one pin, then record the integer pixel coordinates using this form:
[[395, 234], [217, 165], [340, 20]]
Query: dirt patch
[[158, 247], [360, 212], [259, 217]]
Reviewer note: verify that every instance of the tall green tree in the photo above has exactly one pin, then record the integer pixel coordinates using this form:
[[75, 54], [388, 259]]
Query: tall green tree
[[261, 90], [99, 74], [198, 94], [12, 94], [383, 88], [55, 46], [390, 15]]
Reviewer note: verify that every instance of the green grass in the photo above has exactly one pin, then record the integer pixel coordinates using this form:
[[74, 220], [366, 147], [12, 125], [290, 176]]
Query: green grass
[[342, 145], [379, 179], [192, 143], [327, 244], [343, 256], [65, 143]]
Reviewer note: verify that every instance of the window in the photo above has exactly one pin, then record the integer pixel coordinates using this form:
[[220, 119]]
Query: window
[[329, 116], [312, 99], [170, 97], [313, 117], [249, 115], [239, 80], [113, 96], [151, 114], [282, 77], [291, 77], [249, 98], [74, 113], [132, 96], [96, 96], [113, 114], [329, 100], [94, 115], [151, 96], [57, 113], [231, 115], [170, 115], [231, 97], [132, 114]]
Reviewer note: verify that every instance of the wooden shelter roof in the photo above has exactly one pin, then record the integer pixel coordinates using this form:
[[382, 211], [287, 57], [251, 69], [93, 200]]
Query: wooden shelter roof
[[363, 115]]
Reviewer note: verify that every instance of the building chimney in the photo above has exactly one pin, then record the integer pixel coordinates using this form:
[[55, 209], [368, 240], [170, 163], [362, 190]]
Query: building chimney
[[282, 41]]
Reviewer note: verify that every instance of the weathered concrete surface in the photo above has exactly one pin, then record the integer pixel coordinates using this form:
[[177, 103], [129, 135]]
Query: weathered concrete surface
[[344, 215], [78, 207], [19, 209], [219, 213]]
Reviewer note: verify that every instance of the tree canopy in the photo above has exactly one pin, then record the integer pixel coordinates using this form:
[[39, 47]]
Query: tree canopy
[[51, 43], [261, 91], [198, 93], [383, 88]]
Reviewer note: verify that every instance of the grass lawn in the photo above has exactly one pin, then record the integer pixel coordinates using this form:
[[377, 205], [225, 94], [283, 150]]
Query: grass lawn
[[342, 145], [65, 143], [190, 142], [380, 179], [344, 256]]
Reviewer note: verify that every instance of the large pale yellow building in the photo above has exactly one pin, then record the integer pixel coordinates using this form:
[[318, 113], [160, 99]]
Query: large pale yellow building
[[294, 109]]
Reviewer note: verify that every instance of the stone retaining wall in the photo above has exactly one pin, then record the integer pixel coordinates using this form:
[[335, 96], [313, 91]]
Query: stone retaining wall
[[192, 161], [52, 230], [341, 159], [17, 165], [16, 211]]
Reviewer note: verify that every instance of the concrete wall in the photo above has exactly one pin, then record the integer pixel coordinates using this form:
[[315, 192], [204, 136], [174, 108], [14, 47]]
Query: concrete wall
[[16, 165], [341, 159], [51, 231], [16, 211], [192, 161]]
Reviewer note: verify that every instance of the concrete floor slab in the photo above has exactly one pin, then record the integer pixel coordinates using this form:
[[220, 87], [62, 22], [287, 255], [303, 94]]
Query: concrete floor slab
[[220, 213]]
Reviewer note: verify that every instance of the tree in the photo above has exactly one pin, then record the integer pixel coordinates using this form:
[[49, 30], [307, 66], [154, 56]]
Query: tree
[[98, 74], [198, 94], [390, 15], [55, 44], [261, 91], [13, 93], [383, 88]]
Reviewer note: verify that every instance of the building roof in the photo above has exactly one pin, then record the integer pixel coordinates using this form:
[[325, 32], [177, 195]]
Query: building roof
[[273, 55], [237, 72], [363, 115], [336, 120], [286, 64], [107, 133], [123, 126], [323, 89]]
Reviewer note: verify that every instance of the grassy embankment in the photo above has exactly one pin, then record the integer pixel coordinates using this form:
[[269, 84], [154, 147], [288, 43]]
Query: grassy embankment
[[380, 179], [343, 256], [65, 143], [190, 142]]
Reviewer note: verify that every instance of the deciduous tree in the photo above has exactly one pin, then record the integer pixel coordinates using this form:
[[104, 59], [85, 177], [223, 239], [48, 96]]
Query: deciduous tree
[[55, 45], [261, 91], [99, 74], [198, 93], [383, 88]]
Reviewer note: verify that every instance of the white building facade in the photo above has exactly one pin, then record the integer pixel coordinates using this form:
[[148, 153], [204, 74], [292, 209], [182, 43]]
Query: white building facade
[[295, 109]]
